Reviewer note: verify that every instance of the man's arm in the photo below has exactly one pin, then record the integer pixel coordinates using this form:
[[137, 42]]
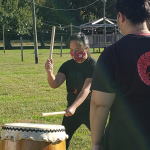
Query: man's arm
[[99, 109]]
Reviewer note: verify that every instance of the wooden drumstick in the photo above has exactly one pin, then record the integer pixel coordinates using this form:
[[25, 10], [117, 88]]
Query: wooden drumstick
[[53, 113], [52, 42]]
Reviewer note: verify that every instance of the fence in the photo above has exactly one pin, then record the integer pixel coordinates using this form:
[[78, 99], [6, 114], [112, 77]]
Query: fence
[[99, 41]]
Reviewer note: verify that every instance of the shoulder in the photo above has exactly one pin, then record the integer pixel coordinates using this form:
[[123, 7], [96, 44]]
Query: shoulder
[[113, 49], [91, 61], [124, 39], [68, 62], [65, 66]]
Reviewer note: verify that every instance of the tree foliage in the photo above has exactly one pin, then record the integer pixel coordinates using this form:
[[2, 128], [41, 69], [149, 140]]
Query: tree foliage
[[92, 12], [16, 15], [52, 11]]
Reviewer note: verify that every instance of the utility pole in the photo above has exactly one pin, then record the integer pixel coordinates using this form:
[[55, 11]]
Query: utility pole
[[3, 38], [21, 48], [104, 28], [80, 28], [71, 29], [93, 39], [35, 32], [61, 46]]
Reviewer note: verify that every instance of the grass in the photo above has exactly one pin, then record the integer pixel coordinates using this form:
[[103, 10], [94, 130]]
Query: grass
[[25, 93]]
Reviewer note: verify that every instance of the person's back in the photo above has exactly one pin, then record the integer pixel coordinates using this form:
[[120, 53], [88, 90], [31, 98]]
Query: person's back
[[121, 84], [132, 64], [129, 115]]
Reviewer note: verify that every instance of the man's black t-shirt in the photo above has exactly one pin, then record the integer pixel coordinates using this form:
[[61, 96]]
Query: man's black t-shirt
[[76, 74], [124, 69]]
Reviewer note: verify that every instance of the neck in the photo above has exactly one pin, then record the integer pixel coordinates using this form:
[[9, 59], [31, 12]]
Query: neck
[[142, 28]]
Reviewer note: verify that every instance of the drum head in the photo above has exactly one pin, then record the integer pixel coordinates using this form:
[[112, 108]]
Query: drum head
[[33, 131]]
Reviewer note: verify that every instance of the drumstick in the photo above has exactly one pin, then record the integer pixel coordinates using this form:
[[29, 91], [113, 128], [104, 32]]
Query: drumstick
[[52, 42], [53, 113]]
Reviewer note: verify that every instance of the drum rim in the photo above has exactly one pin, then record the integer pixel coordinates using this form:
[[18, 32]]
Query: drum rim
[[18, 127]]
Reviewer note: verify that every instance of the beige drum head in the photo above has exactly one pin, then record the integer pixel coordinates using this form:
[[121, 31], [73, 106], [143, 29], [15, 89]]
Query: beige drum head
[[33, 131]]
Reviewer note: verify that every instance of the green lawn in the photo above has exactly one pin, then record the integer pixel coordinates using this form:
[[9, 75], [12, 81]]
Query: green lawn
[[25, 93]]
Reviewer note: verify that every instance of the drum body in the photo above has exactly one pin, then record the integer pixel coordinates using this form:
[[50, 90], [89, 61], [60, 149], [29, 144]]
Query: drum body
[[30, 136]]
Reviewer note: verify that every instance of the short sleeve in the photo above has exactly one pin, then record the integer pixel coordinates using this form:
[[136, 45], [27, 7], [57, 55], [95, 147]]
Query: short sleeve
[[62, 68], [104, 73], [90, 71]]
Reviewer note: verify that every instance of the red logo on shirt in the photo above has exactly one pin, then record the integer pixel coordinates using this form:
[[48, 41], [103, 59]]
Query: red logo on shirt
[[143, 63], [75, 91]]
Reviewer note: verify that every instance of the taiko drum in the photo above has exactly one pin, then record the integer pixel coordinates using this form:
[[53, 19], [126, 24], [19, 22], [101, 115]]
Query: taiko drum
[[31, 136]]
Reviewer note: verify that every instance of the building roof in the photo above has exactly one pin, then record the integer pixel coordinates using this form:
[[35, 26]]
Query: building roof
[[100, 23]]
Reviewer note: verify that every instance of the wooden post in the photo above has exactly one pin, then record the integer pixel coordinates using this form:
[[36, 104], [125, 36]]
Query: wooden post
[[3, 38], [61, 46], [104, 23], [93, 40], [21, 48], [35, 32]]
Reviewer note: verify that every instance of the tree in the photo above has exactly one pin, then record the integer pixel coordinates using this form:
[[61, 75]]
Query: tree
[[50, 16], [16, 16], [91, 12]]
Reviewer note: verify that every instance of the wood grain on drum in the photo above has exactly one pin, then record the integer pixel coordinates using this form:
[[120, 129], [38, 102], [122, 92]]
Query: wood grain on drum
[[31, 145]]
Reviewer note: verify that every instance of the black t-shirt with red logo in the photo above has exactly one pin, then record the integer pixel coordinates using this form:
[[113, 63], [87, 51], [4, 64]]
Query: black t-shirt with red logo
[[124, 69], [76, 74]]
